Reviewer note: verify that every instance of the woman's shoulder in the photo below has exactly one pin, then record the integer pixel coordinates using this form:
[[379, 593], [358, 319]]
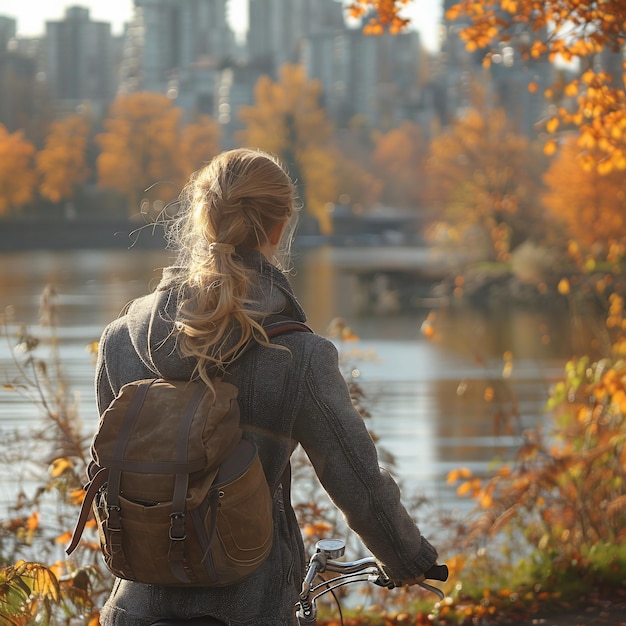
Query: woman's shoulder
[[314, 347]]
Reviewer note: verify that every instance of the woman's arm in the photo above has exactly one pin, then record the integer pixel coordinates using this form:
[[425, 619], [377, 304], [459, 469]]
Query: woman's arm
[[345, 459]]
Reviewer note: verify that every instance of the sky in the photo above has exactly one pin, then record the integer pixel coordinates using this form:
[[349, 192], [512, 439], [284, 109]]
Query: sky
[[31, 15]]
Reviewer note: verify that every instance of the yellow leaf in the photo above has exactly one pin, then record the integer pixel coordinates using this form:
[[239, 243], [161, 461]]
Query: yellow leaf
[[552, 124], [489, 394], [464, 489], [427, 329], [33, 521], [65, 538], [348, 335], [92, 347], [456, 474], [605, 167], [59, 466], [563, 286], [550, 147], [76, 496], [485, 500], [571, 90]]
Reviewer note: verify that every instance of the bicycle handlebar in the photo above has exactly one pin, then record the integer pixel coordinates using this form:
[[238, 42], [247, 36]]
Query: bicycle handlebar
[[365, 570]]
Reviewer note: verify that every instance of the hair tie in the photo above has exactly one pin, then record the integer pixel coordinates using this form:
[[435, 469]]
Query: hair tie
[[224, 248]]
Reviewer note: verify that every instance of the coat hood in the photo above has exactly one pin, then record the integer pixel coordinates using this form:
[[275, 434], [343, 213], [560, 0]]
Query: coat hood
[[151, 318]]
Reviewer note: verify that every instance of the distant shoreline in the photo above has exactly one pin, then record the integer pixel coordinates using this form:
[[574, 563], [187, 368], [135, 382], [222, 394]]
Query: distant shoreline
[[22, 235]]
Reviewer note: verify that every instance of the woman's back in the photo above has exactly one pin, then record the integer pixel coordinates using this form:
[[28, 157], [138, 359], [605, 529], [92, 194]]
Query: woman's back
[[290, 391]]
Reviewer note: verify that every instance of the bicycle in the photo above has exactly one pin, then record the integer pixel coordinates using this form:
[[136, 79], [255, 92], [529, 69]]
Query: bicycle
[[325, 559]]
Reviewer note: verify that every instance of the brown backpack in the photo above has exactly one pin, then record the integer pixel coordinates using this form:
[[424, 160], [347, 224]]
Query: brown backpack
[[179, 497]]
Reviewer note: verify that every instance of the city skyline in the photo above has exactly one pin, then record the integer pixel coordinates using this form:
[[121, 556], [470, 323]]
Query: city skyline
[[31, 15]]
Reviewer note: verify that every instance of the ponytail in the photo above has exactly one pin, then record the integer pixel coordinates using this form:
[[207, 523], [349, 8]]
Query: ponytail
[[228, 208]]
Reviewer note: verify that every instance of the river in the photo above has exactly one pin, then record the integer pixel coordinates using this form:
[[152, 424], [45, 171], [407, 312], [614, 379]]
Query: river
[[437, 403]]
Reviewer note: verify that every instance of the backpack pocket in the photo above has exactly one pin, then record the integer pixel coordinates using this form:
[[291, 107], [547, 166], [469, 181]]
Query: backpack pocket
[[147, 553], [240, 528]]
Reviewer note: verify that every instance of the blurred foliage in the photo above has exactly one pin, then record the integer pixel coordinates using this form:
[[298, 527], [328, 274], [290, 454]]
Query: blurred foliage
[[62, 162], [593, 208], [17, 176], [399, 157], [595, 101], [483, 175], [554, 517], [139, 148], [592, 102], [287, 119], [35, 586], [382, 15]]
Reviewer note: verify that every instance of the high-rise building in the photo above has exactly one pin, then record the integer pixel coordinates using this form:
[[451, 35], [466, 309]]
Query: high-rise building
[[80, 59], [278, 27], [373, 77], [8, 29], [185, 43], [506, 83]]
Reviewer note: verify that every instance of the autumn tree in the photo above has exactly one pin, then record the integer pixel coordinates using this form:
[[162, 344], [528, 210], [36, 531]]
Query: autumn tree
[[593, 207], [200, 142], [589, 33], [287, 120], [585, 32], [398, 158], [17, 174], [358, 185], [140, 148], [62, 163], [481, 174]]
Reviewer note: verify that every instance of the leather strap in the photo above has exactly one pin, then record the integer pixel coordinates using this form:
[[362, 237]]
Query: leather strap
[[92, 489], [177, 532]]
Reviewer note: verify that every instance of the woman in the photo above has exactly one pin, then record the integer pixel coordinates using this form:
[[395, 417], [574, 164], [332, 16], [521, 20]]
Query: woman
[[234, 215]]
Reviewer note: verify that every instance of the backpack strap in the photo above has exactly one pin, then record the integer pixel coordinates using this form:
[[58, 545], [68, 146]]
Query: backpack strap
[[276, 325], [99, 479], [273, 329], [176, 555]]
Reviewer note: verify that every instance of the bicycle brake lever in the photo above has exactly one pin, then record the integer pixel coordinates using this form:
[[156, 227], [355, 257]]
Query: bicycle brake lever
[[440, 594], [383, 581]]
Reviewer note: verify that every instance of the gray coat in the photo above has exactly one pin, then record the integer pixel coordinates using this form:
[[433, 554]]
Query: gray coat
[[285, 398]]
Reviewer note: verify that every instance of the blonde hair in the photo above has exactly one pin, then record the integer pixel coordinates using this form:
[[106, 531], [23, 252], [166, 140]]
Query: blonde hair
[[228, 208]]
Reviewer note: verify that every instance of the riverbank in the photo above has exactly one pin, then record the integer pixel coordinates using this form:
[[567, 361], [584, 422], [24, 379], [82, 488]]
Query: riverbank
[[54, 235], [140, 231]]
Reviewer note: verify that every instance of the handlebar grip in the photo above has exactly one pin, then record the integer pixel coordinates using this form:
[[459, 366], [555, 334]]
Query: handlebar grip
[[437, 572]]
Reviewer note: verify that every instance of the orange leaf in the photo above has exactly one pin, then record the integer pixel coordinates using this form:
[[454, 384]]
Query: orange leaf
[[33, 521], [76, 496], [550, 147], [552, 124], [64, 538], [485, 500], [563, 287], [59, 466]]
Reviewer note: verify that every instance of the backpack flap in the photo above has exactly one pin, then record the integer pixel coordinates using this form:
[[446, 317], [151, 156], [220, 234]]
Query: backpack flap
[[138, 430]]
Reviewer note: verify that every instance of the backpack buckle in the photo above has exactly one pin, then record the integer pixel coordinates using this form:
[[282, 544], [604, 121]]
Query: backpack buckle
[[114, 520], [177, 527]]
